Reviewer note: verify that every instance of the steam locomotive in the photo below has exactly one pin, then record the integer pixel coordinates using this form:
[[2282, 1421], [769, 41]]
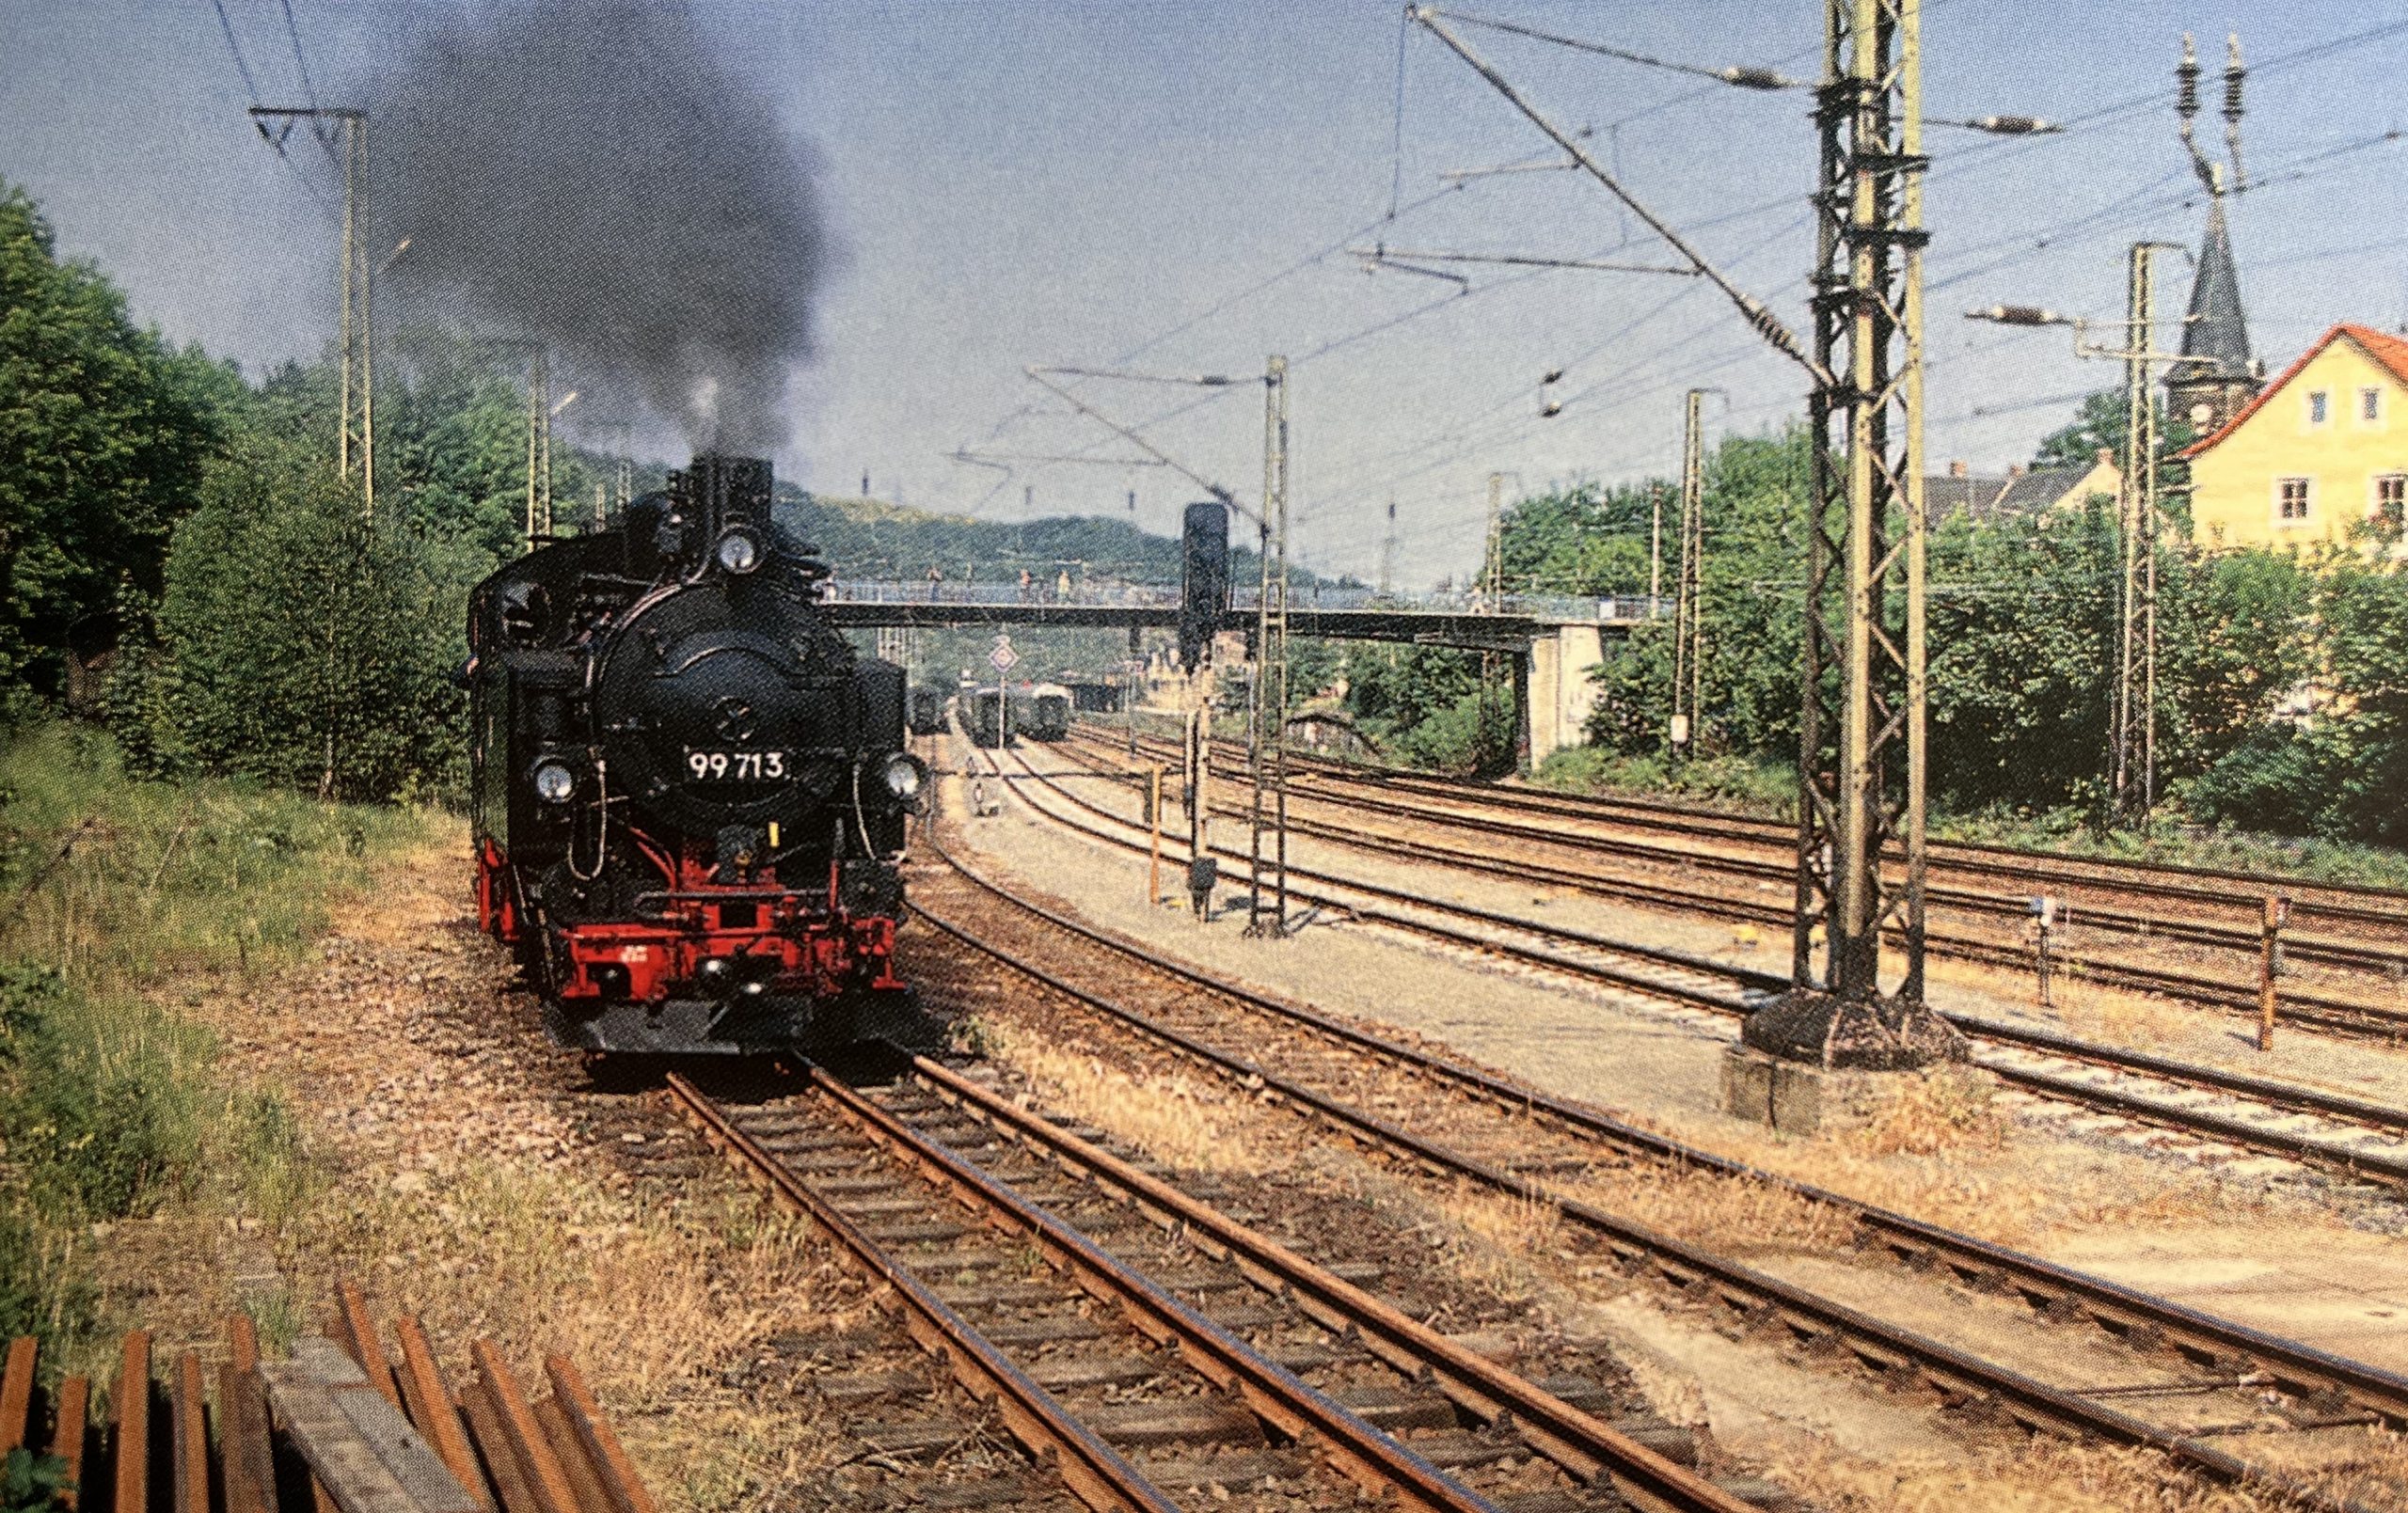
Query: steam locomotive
[[688, 789]]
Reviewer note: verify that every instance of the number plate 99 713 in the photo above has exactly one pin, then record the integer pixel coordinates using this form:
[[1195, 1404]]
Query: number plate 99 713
[[736, 766]]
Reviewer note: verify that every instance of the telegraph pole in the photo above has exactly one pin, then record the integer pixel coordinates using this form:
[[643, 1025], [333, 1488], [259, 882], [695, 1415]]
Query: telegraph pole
[[1862, 775], [1655, 547], [2131, 717], [1270, 744], [1493, 570], [1388, 555], [355, 436], [1688, 609], [539, 447]]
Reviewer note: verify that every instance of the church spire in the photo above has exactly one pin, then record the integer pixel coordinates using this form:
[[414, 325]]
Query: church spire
[[2219, 377]]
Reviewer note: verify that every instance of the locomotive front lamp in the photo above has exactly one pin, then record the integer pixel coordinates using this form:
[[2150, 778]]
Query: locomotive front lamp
[[739, 551], [554, 782], [906, 775]]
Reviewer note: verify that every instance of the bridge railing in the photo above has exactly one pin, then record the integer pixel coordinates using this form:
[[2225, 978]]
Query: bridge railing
[[1004, 595], [1562, 608]]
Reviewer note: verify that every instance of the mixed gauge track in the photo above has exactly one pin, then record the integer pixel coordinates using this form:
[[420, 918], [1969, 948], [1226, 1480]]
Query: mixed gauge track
[[1154, 1339], [2191, 935], [2182, 1383], [2347, 1136]]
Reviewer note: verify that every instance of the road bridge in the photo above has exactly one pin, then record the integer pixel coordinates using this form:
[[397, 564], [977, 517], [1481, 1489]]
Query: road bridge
[[1554, 639]]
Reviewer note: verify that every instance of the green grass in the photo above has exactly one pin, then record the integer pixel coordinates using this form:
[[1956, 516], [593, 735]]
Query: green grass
[[2300, 859], [1732, 784], [122, 904], [169, 878], [1740, 787]]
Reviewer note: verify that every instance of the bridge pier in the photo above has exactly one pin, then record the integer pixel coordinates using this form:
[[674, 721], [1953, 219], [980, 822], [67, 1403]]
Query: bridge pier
[[1554, 691]]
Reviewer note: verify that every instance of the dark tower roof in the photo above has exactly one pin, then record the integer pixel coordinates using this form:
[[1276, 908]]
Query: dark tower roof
[[2216, 328]]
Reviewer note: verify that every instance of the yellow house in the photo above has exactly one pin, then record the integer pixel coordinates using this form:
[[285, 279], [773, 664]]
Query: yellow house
[[2318, 451]]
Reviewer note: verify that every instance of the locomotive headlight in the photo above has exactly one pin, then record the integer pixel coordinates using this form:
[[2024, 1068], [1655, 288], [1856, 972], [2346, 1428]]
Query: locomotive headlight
[[906, 775], [554, 782], [739, 551]]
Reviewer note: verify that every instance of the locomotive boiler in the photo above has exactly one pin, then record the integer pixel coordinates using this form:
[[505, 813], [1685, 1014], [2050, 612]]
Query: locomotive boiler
[[689, 789]]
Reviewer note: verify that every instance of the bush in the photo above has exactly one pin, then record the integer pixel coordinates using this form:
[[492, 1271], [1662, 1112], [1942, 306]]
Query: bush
[[2275, 780], [1738, 783], [299, 644], [1475, 733]]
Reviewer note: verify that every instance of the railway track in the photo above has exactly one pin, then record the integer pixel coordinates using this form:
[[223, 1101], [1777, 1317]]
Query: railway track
[[2340, 1136], [1153, 1349], [1548, 841], [2190, 1380], [2351, 905]]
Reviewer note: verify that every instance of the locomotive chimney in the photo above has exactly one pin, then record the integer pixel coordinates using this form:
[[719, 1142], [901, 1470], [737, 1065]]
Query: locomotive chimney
[[723, 490]]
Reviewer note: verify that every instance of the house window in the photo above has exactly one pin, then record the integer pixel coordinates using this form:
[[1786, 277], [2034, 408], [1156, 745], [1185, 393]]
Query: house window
[[2369, 405], [2290, 504], [2391, 498], [2320, 406]]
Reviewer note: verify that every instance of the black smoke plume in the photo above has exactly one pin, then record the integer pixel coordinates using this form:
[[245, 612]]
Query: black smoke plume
[[585, 174]]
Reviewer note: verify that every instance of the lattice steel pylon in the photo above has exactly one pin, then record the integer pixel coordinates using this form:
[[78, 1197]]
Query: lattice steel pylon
[[2132, 770], [1861, 749], [1267, 915]]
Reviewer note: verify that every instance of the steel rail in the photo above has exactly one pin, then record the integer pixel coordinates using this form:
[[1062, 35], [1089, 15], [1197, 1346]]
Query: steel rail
[[2318, 1154], [2015, 860], [1095, 1473], [2356, 1014], [2121, 1311], [1585, 1446], [1375, 1461], [1958, 1377]]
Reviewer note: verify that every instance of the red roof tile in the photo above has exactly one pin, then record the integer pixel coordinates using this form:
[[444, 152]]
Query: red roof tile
[[2389, 352]]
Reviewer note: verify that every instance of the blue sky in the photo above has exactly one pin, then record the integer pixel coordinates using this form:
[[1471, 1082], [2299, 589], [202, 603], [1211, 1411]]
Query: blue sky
[[1103, 182]]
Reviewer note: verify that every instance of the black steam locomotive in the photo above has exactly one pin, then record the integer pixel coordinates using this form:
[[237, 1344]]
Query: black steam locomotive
[[689, 791]]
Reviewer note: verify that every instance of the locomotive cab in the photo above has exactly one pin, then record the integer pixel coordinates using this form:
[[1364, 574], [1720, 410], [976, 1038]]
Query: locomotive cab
[[690, 792]]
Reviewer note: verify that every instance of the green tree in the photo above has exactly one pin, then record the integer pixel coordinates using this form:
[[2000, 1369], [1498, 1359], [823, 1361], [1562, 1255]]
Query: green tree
[[1751, 585], [2235, 635], [103, 433], [2099, 424], [1434, 705], [298, 644], [1582, 539], [2021, 625]]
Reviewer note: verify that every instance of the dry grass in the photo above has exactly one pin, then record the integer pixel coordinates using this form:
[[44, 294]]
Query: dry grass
[[1175, 1119], [1736, 1216], [541, 1260], [1944, 1111], [2124, 1017], [2035, 1476], [1494, 1242], [655, 1301]]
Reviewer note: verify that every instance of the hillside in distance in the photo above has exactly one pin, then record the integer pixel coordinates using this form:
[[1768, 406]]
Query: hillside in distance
[[873, 538]]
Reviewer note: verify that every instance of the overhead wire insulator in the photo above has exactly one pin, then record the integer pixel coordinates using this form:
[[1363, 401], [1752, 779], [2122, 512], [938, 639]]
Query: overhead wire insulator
[[2016, 315], [1746, 78], [2186, 81], [2233, 76], [2014, 125]]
